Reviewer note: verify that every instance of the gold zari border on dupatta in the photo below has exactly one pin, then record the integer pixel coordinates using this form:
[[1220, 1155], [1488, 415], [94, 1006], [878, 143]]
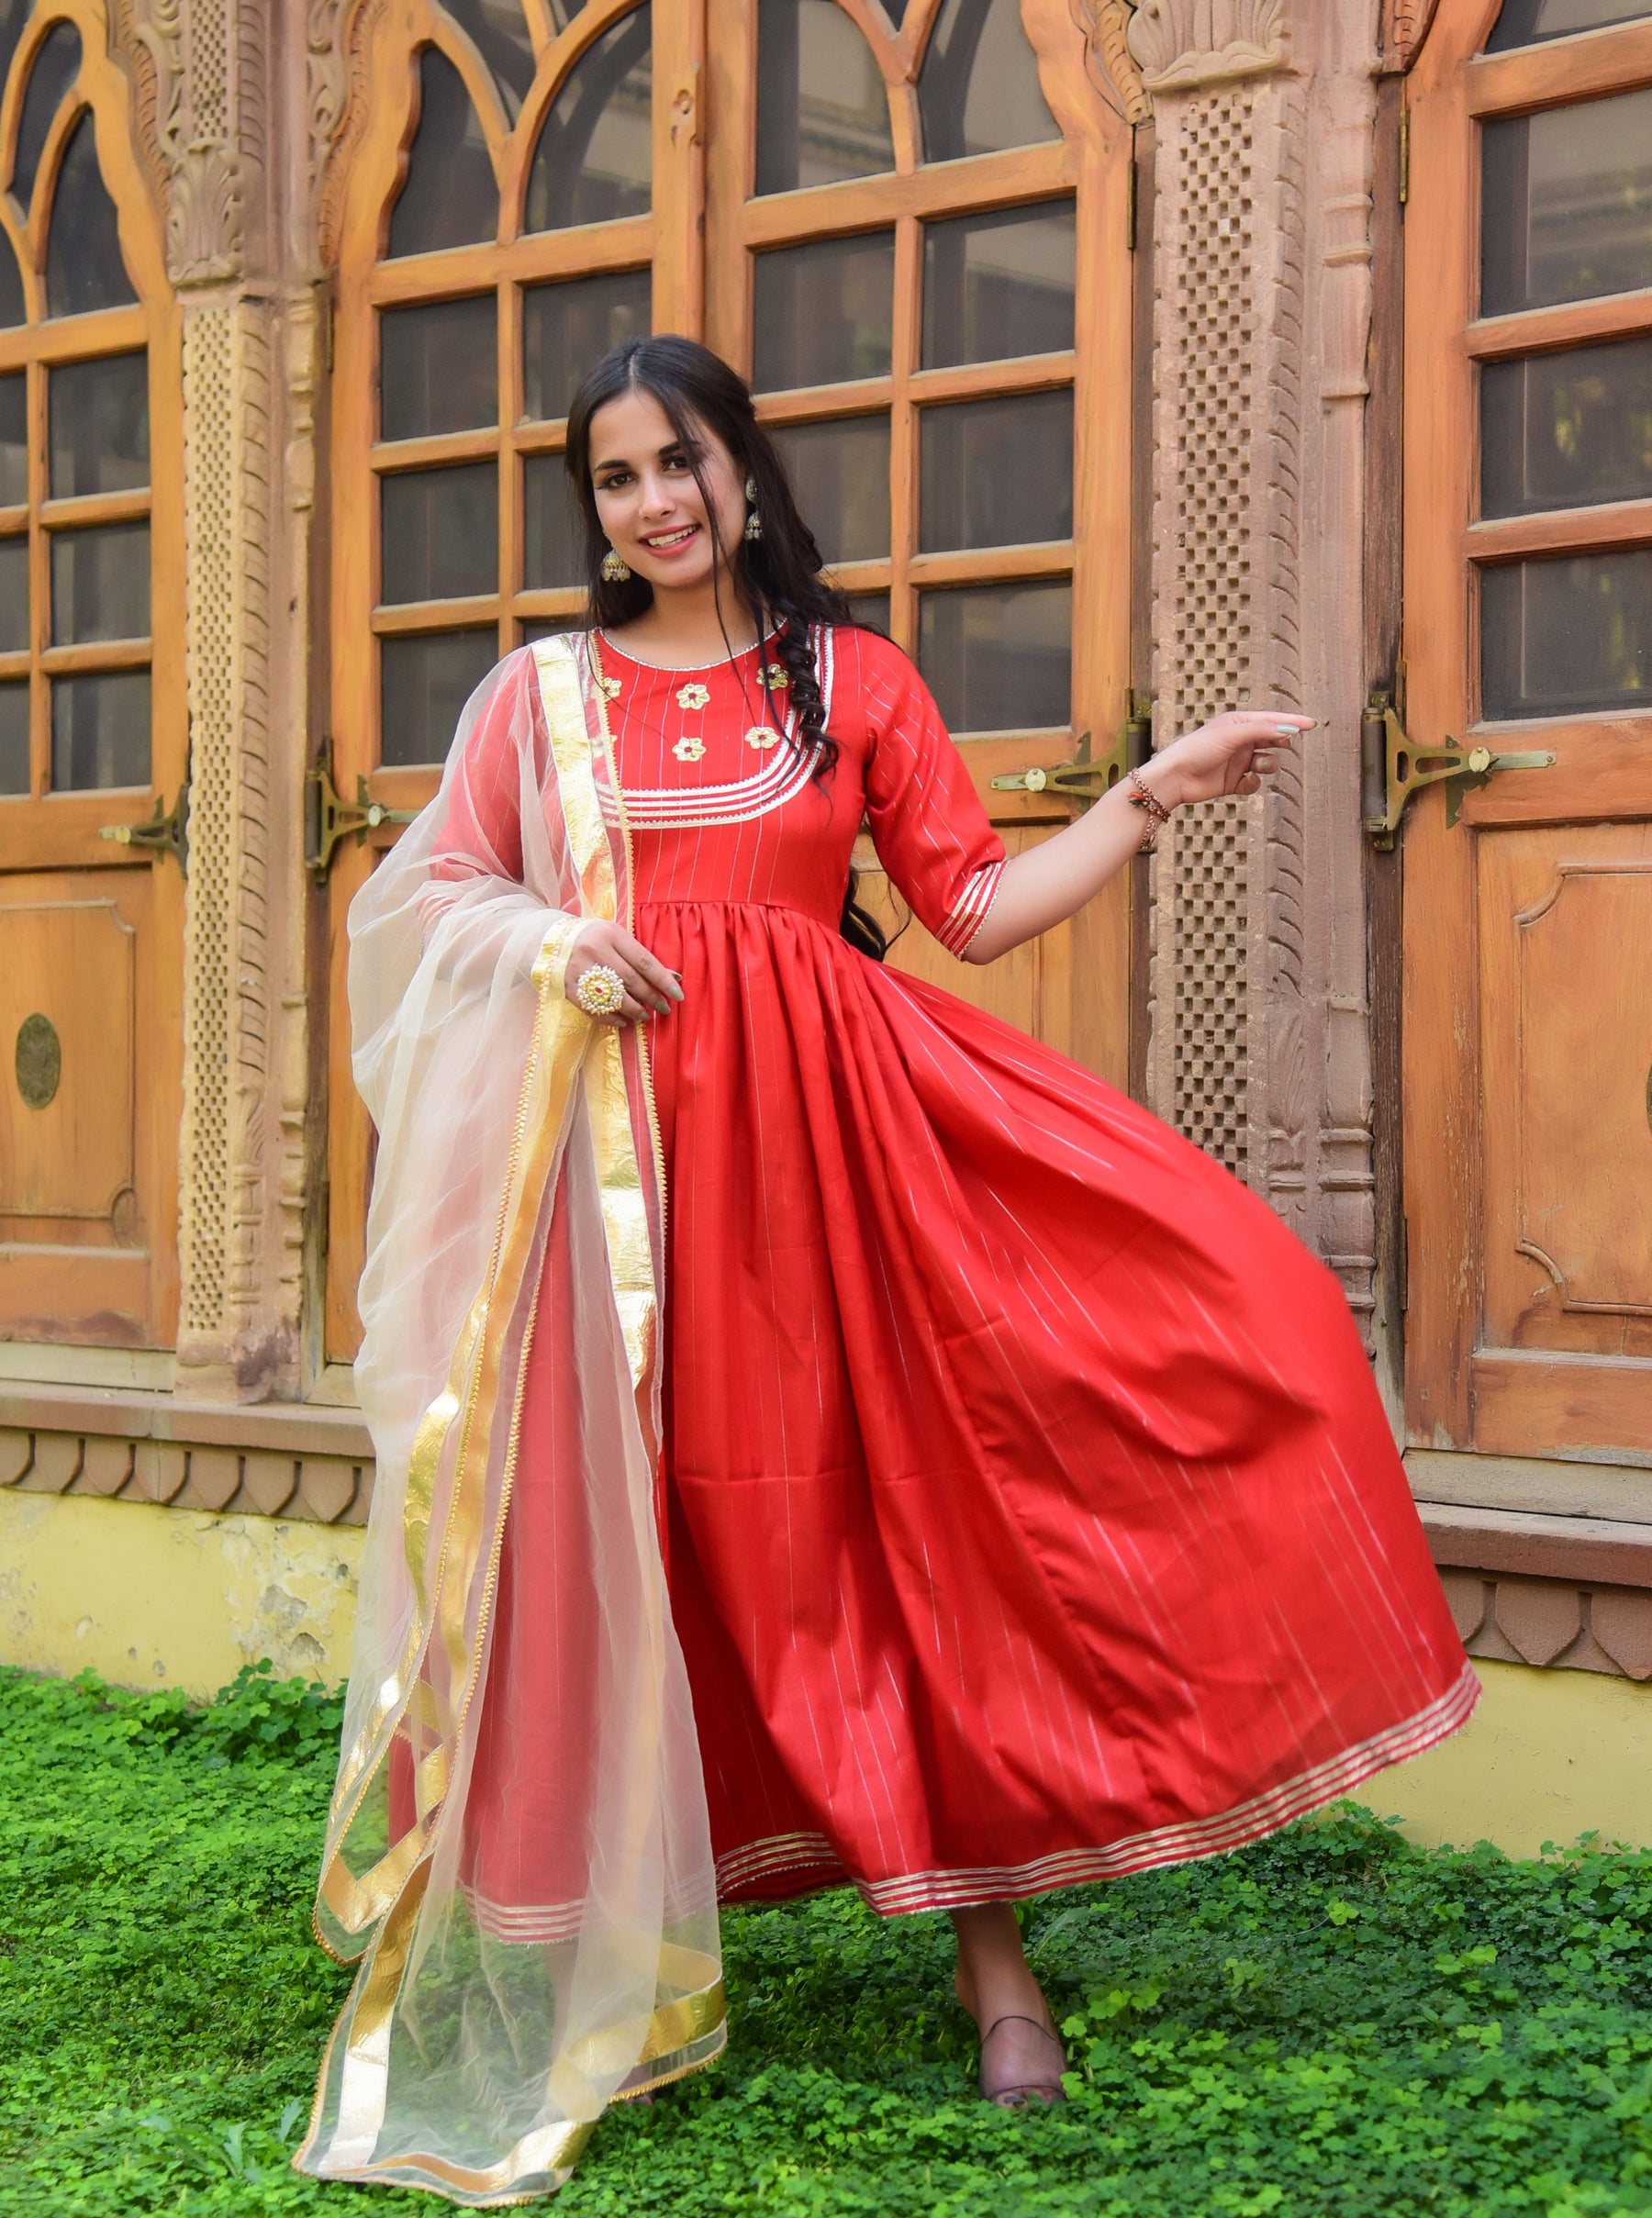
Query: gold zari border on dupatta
[[687, 2030]]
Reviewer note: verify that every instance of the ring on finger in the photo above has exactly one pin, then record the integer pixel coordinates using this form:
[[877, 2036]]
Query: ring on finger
[[600, 991]]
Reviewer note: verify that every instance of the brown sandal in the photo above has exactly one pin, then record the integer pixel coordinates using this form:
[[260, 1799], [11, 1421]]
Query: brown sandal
[[1016, 2094]]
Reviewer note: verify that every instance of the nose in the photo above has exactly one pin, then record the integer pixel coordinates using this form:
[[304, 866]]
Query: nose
[[658, 496]]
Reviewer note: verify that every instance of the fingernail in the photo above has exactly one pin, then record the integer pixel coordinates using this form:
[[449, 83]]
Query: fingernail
[[1286, 731]]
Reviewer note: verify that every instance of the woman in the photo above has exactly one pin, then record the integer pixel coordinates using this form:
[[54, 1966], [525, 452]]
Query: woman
[[1006, 1502]]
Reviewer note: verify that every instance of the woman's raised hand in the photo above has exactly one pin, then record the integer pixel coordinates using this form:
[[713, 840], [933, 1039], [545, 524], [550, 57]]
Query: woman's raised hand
[[650, 987], [1233, 753]]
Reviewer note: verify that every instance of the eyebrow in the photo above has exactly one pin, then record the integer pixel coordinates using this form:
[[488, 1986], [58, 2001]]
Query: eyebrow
[[620, 462]]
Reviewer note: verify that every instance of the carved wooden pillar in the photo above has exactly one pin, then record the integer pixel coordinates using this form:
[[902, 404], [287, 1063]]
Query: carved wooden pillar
[[1260, 1047], [206, 72]]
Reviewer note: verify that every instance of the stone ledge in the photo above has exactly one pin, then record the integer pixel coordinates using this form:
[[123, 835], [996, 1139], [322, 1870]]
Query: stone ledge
[[1521, 1542], [301, 1427], [266, 1459], [1560, 1593]]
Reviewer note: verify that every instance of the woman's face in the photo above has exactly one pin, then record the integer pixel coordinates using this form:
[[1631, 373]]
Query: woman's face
[[647, 500]]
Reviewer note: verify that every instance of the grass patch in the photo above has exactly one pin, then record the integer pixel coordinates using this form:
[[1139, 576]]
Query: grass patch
[[1334, 2025]]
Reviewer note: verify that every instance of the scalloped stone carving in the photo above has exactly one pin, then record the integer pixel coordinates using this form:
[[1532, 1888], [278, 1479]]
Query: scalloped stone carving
[[1179, 44]]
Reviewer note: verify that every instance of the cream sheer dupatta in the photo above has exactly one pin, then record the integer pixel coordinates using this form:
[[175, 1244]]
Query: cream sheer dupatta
[[517, 1203]]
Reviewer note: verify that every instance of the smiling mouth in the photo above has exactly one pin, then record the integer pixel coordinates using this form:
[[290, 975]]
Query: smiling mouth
[[663, 542]]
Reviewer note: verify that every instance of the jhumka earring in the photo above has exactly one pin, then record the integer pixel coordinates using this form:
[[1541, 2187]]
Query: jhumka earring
[[613, 569], [754, 521]]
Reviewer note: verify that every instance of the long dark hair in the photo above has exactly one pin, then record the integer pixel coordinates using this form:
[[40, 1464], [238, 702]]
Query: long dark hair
[[778, 576]]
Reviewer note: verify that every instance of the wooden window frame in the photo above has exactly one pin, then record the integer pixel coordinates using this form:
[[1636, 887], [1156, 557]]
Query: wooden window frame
[[1455, 1390]]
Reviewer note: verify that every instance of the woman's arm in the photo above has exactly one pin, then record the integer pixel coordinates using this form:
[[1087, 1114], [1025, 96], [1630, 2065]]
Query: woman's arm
[[1045, 885]]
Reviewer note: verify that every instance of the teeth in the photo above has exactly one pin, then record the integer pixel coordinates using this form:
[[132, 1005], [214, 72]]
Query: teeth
[[672, 538]]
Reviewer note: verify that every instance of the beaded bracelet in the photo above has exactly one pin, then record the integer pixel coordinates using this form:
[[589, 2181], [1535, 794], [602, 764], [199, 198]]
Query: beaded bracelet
[[1142, 797]]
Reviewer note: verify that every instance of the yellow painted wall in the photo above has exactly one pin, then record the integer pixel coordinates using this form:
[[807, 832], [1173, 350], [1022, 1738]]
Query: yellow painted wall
[[149, 1597], [1548, 1756]]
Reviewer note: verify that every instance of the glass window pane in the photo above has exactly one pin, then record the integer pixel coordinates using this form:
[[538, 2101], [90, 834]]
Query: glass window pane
[[872, 608], [84, 267], [1524, 22], [502, 38], [12, 309], [440, 533], [839, 473], [98, 413], [57, 59], [977, 91], [1561, 430], [998, 658], [552, 530], [1567, 634], [996, 472], [1568, 203], [449, 198], [567, 328], [14, 595], [549, 628], [425, 682], [822, 112], [100, 731], [823, 312], [999, 285], [14, 15], [13, 737], [595, 158], [100, 584], [14, 439], [438, 368]]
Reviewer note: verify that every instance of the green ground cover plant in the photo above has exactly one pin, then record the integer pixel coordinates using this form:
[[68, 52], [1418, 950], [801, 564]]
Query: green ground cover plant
[[1333, 2024]]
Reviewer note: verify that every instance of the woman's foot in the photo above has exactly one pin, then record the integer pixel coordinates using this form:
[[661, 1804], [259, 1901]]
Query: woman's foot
[[1021, 2056]]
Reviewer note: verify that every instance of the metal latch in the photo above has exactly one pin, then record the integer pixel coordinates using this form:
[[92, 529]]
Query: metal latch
[[1391, 769], [166, 832], [328, 819], [1082, 779]]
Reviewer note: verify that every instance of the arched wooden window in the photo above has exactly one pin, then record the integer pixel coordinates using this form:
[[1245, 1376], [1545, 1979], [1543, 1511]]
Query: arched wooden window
[[1528, 629], [908, 225], [92, 718]]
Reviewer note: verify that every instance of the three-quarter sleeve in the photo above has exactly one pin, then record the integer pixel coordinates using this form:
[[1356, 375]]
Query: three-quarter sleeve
[[931, 833]]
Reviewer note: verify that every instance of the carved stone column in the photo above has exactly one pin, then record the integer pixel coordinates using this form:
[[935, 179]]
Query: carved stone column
[[1259, 1043], [205, 71]]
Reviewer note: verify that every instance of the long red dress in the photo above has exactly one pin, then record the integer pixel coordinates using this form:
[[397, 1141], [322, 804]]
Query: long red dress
[[1029, 1512]]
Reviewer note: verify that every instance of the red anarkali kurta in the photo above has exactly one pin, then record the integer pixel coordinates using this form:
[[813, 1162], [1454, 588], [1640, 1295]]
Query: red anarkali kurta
[[1029, 1512]]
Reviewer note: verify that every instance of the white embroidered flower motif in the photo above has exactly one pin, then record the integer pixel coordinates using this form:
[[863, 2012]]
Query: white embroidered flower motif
[[763, 736], [613, 687], [693, 696], [688, 748], [778, 677]]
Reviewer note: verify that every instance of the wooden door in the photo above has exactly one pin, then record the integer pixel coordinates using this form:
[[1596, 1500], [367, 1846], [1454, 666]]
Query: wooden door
[[1528, 625], [931, 289], [92, 711]]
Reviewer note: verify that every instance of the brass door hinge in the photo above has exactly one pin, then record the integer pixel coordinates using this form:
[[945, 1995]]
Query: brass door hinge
[[1391, 769], [166, 832], [1084, 779], [328, 819]]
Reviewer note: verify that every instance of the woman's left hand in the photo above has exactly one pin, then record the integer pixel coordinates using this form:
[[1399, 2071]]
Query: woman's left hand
[[1231, 754]]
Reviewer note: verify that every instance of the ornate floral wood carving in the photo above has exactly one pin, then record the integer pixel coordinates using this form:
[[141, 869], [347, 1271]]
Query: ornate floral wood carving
[[341, 38], [199, 75], [1404, 26], [1107, 54], [1179, 44]]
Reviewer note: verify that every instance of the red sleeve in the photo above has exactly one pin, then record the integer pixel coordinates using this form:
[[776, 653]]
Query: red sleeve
[[931, 833], [482, 827]]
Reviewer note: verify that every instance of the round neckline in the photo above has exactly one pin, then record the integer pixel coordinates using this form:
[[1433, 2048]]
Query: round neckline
[[682, 670]]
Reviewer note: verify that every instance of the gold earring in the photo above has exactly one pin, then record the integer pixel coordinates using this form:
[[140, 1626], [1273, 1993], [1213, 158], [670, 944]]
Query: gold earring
[[754, 526], [613, 569]]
